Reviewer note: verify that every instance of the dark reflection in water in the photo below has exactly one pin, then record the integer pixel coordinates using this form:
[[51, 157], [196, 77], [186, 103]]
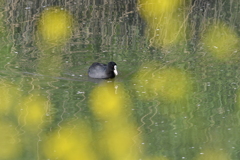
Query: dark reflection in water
[[176, 96]]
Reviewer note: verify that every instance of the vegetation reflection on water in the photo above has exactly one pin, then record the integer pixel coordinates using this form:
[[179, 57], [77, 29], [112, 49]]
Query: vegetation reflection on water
[[176, 97]]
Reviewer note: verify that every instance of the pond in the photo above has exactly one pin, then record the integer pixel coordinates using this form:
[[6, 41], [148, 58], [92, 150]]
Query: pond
[[176, 95]]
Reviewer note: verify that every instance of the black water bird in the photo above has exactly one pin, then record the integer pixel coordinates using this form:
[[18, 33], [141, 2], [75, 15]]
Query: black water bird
[[103, 71]]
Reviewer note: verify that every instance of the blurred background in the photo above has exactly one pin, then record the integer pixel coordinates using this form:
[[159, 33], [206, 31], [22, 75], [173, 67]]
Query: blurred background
[[176, 96]]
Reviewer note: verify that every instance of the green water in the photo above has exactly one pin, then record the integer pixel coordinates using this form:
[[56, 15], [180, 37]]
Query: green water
[[46, 93]]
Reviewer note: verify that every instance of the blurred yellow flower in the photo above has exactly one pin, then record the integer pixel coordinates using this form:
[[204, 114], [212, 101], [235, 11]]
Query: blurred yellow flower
[[108, 100], [154, 82], [120, 140], [33, 111], [55, 25], [70, 144], [166, 32], [221, 41], [9, 96], [156, 8], [165, 23], [10, 147]]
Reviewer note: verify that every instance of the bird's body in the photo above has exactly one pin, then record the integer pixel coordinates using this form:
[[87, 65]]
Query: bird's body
[[103, 71]]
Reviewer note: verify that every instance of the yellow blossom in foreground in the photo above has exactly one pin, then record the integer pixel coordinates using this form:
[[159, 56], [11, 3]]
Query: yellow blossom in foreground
[[169, 83], [120, 140], [70, 143], [108, 100], [9, 96], [33, 111], [10, 147], [221, 41], [156, 8], [55, 25]]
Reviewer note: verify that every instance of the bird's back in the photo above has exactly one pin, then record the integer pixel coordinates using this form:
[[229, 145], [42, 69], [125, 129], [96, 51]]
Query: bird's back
[[97, 70]]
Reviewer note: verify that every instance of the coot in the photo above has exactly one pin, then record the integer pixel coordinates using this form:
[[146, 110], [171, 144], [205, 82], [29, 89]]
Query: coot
[[104, 71]]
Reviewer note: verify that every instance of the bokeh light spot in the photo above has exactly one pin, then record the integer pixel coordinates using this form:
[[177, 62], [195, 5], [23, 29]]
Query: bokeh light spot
[[166, 32], [120, 140], [156, 8], [167, 83], [221, 41], [70, 143], [33, 111], [8, 95], [55, 25], [108, 100], [165, 23], [10, 147]]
